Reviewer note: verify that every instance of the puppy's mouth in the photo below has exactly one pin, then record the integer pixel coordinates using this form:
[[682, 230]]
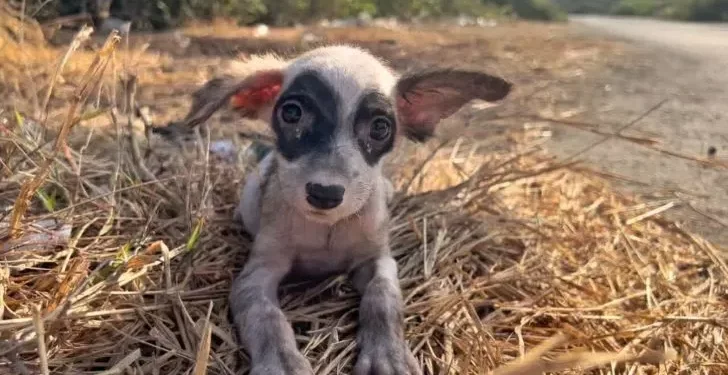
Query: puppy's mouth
[[321, 216]]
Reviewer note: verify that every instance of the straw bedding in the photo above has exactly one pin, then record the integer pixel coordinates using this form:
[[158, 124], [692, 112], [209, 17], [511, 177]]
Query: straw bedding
[[508, 263]]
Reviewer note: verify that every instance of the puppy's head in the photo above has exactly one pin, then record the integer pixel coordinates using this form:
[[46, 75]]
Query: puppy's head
[[337, 112]]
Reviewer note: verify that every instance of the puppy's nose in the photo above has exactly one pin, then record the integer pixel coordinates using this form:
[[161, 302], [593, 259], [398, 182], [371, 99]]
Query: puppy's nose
[[324, 197]]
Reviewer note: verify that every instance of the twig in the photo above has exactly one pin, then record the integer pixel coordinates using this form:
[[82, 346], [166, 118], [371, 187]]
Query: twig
[[81, 37], [421, 167], [130, 87], [40, 336], [619, 131], [203, 350], [147, 128], [707, 215], [592, 128], [93, 74], [4, 279], [703, 161], [650, 213], [123, 364]]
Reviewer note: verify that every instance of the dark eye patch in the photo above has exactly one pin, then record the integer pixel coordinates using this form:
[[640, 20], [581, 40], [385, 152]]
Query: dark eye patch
[[319, 103], [374, 106]]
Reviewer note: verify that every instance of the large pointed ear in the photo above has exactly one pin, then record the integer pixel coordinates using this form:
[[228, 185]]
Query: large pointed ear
[[249, 96], [424, 99]]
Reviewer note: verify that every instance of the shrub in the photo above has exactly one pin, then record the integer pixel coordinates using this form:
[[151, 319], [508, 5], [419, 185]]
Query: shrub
[[635, 8], [161, 14], [698, 10], [543, 10]]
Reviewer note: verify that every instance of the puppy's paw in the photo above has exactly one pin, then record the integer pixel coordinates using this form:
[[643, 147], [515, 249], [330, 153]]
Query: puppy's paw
[[283, 363], [386, 357]]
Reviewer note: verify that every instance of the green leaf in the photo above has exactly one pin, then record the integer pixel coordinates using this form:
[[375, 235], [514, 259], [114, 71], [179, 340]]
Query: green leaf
[[124, 253], [121, 257], [19, 119], [109, 224], [49, 202], [90, 115], [195, 236]]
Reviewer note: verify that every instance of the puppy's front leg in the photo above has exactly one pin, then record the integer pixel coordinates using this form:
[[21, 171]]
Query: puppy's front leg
[[263, 329], [382, 348]]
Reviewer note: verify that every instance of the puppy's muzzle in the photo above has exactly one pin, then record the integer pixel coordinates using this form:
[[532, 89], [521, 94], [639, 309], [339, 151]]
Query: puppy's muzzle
[[324, 197]]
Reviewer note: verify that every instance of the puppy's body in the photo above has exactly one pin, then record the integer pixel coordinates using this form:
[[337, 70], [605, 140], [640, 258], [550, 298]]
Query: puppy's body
[[318, 248], [318, 203]]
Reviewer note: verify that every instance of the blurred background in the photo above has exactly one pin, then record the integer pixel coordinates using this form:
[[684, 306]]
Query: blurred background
[[161, 14]]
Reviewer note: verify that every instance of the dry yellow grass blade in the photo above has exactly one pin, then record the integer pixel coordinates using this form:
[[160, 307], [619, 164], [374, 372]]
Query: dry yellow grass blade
[[534, 364], [203, 350], [40, 336], [81, 37], [91, 78]]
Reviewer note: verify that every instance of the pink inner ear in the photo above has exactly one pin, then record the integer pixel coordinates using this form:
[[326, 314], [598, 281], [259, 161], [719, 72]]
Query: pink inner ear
[[259, 94], [418, 113]]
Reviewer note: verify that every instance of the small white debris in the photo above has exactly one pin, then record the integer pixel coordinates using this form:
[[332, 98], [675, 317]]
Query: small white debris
[[483, 22], [463, 21], [225, 149], [479, 105], [182, 40], [310, 38], [261, 30], [386, 23], [363, 19], [346, 22]]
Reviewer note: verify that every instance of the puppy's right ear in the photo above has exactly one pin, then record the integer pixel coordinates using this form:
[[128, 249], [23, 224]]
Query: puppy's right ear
[[425, 98], [251, 97]]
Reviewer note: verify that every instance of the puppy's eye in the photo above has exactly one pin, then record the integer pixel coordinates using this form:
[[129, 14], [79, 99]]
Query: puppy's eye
[[291, 112], [380, 129]]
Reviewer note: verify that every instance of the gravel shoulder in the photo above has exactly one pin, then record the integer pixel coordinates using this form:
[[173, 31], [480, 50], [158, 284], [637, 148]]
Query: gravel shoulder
[[681, 66]]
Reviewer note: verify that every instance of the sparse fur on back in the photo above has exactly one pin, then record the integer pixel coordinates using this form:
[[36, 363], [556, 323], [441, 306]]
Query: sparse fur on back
[[245, 66], [318, 203]]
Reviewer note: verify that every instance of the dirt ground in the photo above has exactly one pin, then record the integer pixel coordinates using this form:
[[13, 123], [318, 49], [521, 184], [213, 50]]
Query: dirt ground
[[563, 74], [680, 66], [170, 65], [573, 73]]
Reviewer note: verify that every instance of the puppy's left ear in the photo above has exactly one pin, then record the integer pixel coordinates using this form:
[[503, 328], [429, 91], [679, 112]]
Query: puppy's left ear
[[424, 99]]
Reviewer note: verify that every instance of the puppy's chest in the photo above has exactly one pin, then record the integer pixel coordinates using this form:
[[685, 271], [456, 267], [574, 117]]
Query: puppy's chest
[[322, 249]]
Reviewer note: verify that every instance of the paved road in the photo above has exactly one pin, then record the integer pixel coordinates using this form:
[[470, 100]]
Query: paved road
[[707, 40], [685, 64]]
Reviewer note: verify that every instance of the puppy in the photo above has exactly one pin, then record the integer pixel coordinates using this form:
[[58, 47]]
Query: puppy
[[318, 203]]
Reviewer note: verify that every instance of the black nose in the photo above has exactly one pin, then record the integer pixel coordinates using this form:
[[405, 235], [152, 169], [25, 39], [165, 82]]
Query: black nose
[[324, 197]]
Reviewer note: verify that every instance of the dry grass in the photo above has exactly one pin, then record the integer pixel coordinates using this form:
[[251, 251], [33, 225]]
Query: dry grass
[[502, 254]]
